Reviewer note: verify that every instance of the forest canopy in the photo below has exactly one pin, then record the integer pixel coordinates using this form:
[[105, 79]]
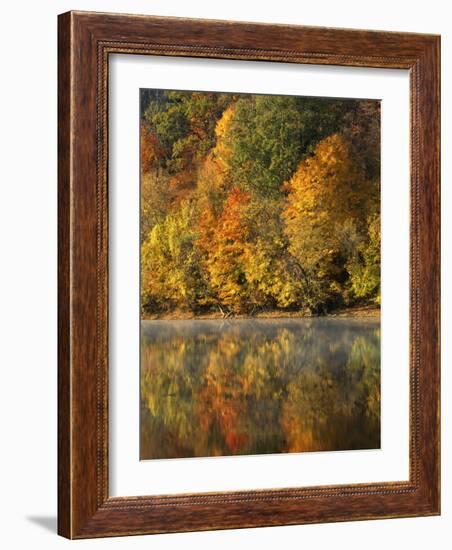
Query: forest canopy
[[254, 203]]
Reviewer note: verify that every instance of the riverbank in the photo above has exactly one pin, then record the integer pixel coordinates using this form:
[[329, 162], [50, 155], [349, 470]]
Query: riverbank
[[359, 312]]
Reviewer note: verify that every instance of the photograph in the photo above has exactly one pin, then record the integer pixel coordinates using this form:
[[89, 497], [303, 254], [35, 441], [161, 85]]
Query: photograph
[[225, 233], [259, 274]]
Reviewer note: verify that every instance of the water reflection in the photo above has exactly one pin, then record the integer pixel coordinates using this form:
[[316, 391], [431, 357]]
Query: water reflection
[[212, 388]]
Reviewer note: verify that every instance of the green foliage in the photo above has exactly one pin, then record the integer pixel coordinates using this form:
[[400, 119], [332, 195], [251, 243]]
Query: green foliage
[[253, 202], [364, 263], [264, 138], [168, 122], [321, 118], [362, 131], [184, 124]]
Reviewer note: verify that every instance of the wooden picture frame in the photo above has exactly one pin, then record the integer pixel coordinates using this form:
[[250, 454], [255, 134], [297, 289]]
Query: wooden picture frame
[[85, 42]]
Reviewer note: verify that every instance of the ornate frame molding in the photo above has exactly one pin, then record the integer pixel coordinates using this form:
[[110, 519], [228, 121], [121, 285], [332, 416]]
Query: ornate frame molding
[[85, 42]]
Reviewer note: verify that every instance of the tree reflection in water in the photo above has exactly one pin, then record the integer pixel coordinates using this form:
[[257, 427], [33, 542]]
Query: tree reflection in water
[[211, 388]]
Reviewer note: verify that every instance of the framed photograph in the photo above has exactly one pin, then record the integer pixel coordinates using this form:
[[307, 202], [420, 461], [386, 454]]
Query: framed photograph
[[248, 275]]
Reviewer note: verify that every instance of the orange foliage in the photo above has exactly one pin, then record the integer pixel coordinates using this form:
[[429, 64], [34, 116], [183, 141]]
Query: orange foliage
[[220, 402], [180, 186], [328, 196], [150, 149], [224, 240]]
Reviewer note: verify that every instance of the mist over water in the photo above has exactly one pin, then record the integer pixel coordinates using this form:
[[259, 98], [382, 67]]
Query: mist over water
[[216, 388]]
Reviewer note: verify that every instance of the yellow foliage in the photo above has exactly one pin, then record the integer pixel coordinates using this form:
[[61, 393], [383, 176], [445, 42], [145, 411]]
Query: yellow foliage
[[169, 261], [328, 190], [221, 151]]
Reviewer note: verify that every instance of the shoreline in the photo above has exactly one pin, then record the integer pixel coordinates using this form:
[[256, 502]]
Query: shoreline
[[358, 312]]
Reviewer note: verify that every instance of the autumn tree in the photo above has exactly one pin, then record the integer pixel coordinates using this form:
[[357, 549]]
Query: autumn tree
[[270, 272], [185, 125], [170, 275], [225, 248], [155, 201], [151, 151], [327, 190], [364, 263], [253, 202]]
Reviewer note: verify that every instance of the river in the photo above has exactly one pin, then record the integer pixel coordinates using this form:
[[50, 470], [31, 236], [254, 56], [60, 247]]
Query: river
[[254, 386]]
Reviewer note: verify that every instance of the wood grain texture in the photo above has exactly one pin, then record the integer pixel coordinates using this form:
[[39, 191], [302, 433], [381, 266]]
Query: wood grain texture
[[85, 42], [64, 295]]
